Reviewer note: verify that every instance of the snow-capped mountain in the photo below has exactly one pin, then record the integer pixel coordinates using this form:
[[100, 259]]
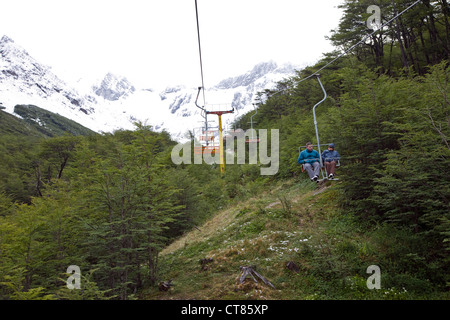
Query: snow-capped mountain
[[113, 87], [114, 103], [23, 79]]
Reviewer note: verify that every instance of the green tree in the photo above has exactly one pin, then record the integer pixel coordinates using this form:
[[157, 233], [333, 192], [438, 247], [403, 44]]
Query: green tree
[[126, 205]]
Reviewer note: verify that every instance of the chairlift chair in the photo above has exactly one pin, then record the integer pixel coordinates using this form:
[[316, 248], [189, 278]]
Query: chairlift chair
[[207, 139], [322, 165]]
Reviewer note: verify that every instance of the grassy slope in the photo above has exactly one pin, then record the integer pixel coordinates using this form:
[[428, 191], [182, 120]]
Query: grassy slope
[[295, 221], [268, 231]]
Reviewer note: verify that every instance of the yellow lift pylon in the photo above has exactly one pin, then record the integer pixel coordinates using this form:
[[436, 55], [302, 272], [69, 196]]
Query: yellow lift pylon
[[221, 149], [219, 113]]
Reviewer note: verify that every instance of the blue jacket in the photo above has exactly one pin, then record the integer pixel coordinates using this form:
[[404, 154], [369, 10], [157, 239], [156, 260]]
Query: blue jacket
[[308, 156], [329, 156]]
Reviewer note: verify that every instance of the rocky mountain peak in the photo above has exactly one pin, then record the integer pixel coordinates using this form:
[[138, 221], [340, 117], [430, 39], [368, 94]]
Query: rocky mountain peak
[[32, 81], [5, 39], [9, 50], [248, 78], [113, 87]]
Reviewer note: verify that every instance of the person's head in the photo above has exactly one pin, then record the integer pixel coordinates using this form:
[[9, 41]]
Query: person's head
[[309, 146], [331, 146]]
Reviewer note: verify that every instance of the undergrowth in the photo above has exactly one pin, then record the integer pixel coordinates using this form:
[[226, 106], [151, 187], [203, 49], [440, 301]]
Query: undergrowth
[[298, 238]]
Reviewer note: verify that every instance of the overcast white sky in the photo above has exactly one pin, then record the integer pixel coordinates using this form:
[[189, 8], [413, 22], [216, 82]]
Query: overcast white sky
[[154, 42]]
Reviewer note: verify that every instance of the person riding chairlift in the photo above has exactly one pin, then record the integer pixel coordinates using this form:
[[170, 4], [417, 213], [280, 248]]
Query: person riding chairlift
[[330, 158], [310, 159]]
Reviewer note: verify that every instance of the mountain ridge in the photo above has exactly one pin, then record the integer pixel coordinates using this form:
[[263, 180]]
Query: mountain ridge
[[33, 121], [114, 103]]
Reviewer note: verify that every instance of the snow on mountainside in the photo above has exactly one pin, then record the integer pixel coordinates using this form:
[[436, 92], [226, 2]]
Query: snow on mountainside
[[114, 103], [113, 87], [23, 80]]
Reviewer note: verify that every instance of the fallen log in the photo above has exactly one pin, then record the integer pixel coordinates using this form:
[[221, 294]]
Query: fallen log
[[250, 271], [165, 285]]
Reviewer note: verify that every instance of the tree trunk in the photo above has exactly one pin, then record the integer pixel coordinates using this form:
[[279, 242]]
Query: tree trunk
[[434, 35], [400, 42], [422, 41], [446, 12]]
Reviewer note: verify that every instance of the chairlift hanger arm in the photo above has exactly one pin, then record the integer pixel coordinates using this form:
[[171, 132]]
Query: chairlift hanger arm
[[314, 111], [198, 94], [324, 98], [256, 111]]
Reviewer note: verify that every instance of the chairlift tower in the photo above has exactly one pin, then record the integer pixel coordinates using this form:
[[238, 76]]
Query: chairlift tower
[[219, 111]]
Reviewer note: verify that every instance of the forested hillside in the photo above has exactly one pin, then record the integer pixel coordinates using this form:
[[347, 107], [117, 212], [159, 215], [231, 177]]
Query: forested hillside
[[113, 204]]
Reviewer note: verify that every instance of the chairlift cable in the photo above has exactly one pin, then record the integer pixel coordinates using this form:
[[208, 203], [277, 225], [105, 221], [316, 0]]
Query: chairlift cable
[[352, 47], [200, 52]]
